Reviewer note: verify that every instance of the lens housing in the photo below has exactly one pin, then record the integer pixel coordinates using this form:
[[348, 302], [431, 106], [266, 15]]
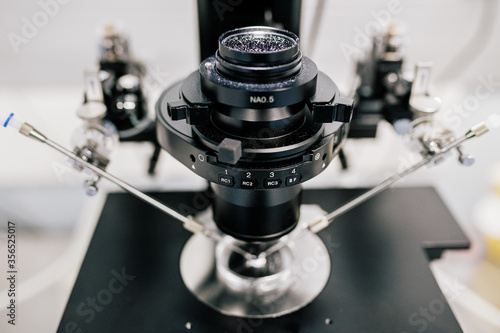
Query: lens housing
[[256, 120], [258, 54]]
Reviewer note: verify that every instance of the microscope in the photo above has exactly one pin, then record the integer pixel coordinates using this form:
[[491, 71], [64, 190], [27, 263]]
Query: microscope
[[256, 120]]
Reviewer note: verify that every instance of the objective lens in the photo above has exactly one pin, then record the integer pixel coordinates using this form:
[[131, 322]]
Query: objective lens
[[250, 119], [258, 43], [258, 54]]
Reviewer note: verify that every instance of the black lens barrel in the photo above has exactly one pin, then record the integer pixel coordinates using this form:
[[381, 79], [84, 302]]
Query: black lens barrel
[[258, 46], [258, 215], [256, 120], [258, 54]]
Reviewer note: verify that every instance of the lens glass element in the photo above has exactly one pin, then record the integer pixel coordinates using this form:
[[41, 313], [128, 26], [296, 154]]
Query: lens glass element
[[258, 42]]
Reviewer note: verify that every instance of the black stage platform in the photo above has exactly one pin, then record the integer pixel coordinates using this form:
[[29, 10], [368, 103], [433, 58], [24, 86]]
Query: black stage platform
[[380, 279]]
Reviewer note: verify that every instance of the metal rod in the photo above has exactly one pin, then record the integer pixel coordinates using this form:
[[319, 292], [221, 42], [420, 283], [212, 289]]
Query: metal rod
[[189, 222], [324, 221], [119, 182]]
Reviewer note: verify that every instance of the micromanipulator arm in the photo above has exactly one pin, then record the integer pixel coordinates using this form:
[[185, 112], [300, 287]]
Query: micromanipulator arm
[[325, 220], [8, 120]]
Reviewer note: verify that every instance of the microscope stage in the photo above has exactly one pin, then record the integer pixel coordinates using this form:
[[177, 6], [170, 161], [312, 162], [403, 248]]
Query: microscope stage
[[380, 280]]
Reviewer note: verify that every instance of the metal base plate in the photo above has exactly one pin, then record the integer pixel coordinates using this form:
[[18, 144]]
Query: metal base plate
[[295, 286]]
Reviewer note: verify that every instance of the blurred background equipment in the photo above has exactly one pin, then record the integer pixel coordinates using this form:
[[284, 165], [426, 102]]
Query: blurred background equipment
[[118, 85]]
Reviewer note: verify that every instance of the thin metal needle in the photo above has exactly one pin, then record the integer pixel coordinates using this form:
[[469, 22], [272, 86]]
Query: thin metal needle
[[324, 221], [119, 182], [188, 221]]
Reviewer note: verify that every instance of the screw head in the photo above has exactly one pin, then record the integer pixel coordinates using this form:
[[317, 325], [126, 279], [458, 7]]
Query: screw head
[[467, 160], [91, 188]]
